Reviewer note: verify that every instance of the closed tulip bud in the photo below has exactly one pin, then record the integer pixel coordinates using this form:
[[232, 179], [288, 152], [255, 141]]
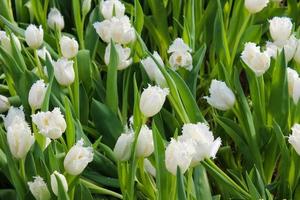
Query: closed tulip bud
[[39, 189], [280, 28], [12, 114], [119, 30], [178, 154], [144, 146], [5, 41], [254, 6], [19, 138], [123, 55], [4, 104], [64, 72], [294, 138], [149, 167], [55, 19], [37, 94], [78, 158], [293, 84], [272, 50], [201, 138], [258, 62], [152, 100], [152, 69], [290, 48], [180, 55], [122, 148], [43, 53], [86, 6], [34, 36], [54, 184], [110, 8], [68, 46], [221, 97], [50, 124]]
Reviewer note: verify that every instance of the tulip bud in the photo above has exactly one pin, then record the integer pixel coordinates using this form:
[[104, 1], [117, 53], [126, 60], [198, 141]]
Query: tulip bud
[[68, 46], [144, 146], [294, 138], [180, 56], [149, 168], [5, 41], [152, 69], [78, 158], [258, 62], [39, 189], [293, 84], [255, 6], [34, 36], [12, 114], [19, 138], [297, 53], [64, 72], [178, 154], [290, 48], [4, 104], [221, 97], [110, 8], [37, 94], [86, 6], [280, 28], [50, 124], [55, 19], [122, 148], [152, 100], [43, 53], [119, 30], [123, 55], [54, 184], [201, 138]]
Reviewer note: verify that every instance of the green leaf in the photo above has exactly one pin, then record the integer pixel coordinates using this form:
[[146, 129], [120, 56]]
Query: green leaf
[[62, 195], [70, 132], [84, 68], [139, 16], [201, 183], [180, 185]]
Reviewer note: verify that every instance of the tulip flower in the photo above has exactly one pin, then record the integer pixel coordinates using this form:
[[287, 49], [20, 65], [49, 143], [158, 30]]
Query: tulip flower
[[255, 6], [110, 8], [34, 36], [68, 46], [123, 55], [123, 145], [86, 6], [293, 84], [180, 55], [55, 20], [294, 138], [39, 189], [54, 184], [43, 53], [280, 28], [144, 146], [37, 94], [12, 114], [6, 43], [64, 72], [4, 104]]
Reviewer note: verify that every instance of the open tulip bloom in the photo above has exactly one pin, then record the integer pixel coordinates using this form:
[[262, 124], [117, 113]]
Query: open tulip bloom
[[159, 100]]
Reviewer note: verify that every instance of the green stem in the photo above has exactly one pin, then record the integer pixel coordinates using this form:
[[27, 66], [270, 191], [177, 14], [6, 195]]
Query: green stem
[[100, 190], [22, 169], [38, 64]]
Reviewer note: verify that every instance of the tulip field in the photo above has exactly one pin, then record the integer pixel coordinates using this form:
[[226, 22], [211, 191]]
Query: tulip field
[[149, 99]]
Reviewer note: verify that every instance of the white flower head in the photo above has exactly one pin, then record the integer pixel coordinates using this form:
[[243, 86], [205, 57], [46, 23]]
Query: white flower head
[[5, 41], [181, 59], [293, 84], [144, 146], [257, 61], [50, 124], [178, 45], [123, 146], [255, 6], [55, 19], [4, 104], [221, 96], [152, 100], [78, 158], [109, 7], [37, 94], [123, 55], [149, 167], [43, 53], [54, 184], [280, 28], [68, 46], [294, 138], [39, 189], [63, 71], [13, 112], [34, 36]]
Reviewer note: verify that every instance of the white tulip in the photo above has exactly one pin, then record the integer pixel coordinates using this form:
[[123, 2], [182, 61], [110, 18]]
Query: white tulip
[[43, 53], [221, 96], [39, 189], [180, 55], [68, 46], [293, 84], [86, 6], [152, 69], [289, 47], [199, 136], [297, 53], [272, 50], [123, 145], [54, 184], [144, 146], [64, 72], [37, 94], [179, 154], [119, 30], [123, 55], [254, 6], [78, 158], [19, 138], [34, 36], [258, 62], [280, 28], [294, 138], [55, 19], [110, 8], [4, 104], [152, 100], [149, 167], [50, 124], [12, 114], [5, 41], [178, 45]]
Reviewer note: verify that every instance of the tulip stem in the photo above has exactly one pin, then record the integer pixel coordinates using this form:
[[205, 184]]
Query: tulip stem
[[22, 168], [99, 190], [38, 64]]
